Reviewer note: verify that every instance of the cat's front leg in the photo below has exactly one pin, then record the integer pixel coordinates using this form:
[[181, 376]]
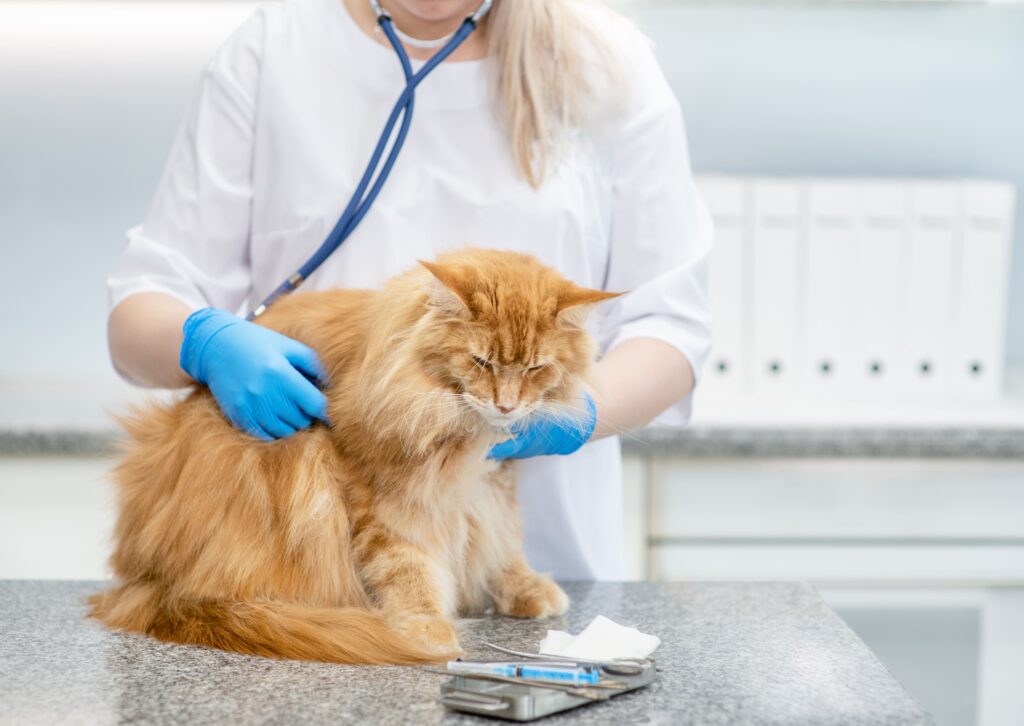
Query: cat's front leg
[[516, 589], [412, 589], [523, 593]]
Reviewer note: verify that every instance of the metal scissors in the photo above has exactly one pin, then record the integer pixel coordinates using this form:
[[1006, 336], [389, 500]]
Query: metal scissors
[[613, 667]]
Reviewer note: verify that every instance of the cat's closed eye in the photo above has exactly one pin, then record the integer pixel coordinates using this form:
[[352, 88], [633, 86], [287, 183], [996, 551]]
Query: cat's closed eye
[[482, 362], [534, 369]]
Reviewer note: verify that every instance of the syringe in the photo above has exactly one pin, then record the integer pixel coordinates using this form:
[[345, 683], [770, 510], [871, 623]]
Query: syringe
[[576, 675]]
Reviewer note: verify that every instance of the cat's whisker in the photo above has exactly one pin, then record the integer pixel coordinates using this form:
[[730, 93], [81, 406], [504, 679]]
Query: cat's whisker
[[559, 407]]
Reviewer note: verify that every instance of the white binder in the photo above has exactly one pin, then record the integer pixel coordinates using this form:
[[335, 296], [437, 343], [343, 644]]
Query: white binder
[[728, 369], [777, 206], [832, 222], [935, 222], [984, 270], [880, 361], [879, 290]]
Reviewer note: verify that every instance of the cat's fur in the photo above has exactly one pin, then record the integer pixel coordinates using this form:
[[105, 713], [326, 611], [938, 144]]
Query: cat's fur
[[360, 542]]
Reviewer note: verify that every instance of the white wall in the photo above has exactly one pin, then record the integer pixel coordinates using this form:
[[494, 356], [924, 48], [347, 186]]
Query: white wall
[[92, 93], [832, 88]]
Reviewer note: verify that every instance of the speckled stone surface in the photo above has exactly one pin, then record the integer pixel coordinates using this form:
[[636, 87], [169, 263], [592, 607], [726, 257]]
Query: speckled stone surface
[[697, 442], [732, 653], [829, 442], [58, 442]]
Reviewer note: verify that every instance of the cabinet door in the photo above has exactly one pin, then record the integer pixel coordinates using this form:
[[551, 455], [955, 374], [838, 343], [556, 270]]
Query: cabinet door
[[838, 520]]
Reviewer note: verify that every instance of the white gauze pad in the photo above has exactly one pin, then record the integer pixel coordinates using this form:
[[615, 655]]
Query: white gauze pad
[[603, 639]]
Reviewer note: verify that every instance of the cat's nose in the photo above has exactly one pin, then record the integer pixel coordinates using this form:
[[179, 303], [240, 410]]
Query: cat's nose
[[506, 409]]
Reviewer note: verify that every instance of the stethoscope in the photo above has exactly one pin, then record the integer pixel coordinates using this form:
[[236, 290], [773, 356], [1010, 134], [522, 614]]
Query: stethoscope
[[363, 198]]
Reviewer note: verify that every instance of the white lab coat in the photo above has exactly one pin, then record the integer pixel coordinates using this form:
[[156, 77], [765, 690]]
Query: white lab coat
[[282, 126]]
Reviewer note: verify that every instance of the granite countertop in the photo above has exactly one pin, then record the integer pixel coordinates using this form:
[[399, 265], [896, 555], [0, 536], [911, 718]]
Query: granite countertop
[[732, 653], [704, 442], [902, 442]]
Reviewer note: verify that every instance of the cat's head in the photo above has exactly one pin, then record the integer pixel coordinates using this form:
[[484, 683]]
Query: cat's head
[[506, 334]]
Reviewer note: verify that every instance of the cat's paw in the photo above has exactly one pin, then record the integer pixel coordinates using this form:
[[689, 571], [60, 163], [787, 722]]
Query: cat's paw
[[530, 596], [432, 634]]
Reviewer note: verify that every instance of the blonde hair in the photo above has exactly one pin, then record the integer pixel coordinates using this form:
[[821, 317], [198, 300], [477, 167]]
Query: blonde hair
[[549, 58]]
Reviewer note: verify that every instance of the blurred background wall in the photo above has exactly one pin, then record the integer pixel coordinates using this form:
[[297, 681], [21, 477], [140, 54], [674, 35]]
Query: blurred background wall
[[93, 92], [913, 535]]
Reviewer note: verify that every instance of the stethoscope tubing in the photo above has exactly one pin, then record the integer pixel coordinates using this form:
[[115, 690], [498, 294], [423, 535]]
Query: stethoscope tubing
[[404, 106], [361, 201]]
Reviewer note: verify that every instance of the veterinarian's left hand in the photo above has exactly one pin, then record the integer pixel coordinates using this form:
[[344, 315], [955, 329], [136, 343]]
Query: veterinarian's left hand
[[543, 436]]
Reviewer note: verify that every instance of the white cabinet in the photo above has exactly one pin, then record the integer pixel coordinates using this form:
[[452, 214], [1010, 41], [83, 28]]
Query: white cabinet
[[56, 518], [881, 536], [838, 522]]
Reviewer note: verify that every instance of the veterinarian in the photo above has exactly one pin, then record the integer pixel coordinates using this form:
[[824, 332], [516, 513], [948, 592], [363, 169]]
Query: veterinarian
[[551, 130]]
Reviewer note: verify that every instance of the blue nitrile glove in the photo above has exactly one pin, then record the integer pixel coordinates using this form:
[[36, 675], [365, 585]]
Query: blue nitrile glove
[[545, 435], [260, 378]]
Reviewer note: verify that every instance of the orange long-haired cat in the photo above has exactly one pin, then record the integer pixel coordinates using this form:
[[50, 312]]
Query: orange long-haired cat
[[360, 542]]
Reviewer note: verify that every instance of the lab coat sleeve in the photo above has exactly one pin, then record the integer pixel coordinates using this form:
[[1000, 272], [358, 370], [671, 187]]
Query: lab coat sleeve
[[661, 232], [193, 243]]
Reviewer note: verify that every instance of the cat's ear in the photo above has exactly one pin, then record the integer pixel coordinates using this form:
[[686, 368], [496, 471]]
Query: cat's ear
[[449, 290], [575, 303]]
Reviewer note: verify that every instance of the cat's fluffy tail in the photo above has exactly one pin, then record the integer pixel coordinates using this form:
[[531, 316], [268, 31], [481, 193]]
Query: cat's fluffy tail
[[266, 628]]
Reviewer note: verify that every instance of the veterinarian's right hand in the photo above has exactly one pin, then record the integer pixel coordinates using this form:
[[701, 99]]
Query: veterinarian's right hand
[[261, 379]]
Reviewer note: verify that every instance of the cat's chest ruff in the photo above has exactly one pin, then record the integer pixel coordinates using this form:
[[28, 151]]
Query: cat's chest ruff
[[445, 492], [452, 474]]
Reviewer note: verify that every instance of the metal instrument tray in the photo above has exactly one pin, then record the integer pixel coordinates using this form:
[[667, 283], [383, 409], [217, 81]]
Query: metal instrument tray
[[525, 702]]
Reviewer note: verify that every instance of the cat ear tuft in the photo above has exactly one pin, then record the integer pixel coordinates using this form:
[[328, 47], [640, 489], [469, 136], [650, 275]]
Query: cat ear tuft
[[575, 304], [447, 291]]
